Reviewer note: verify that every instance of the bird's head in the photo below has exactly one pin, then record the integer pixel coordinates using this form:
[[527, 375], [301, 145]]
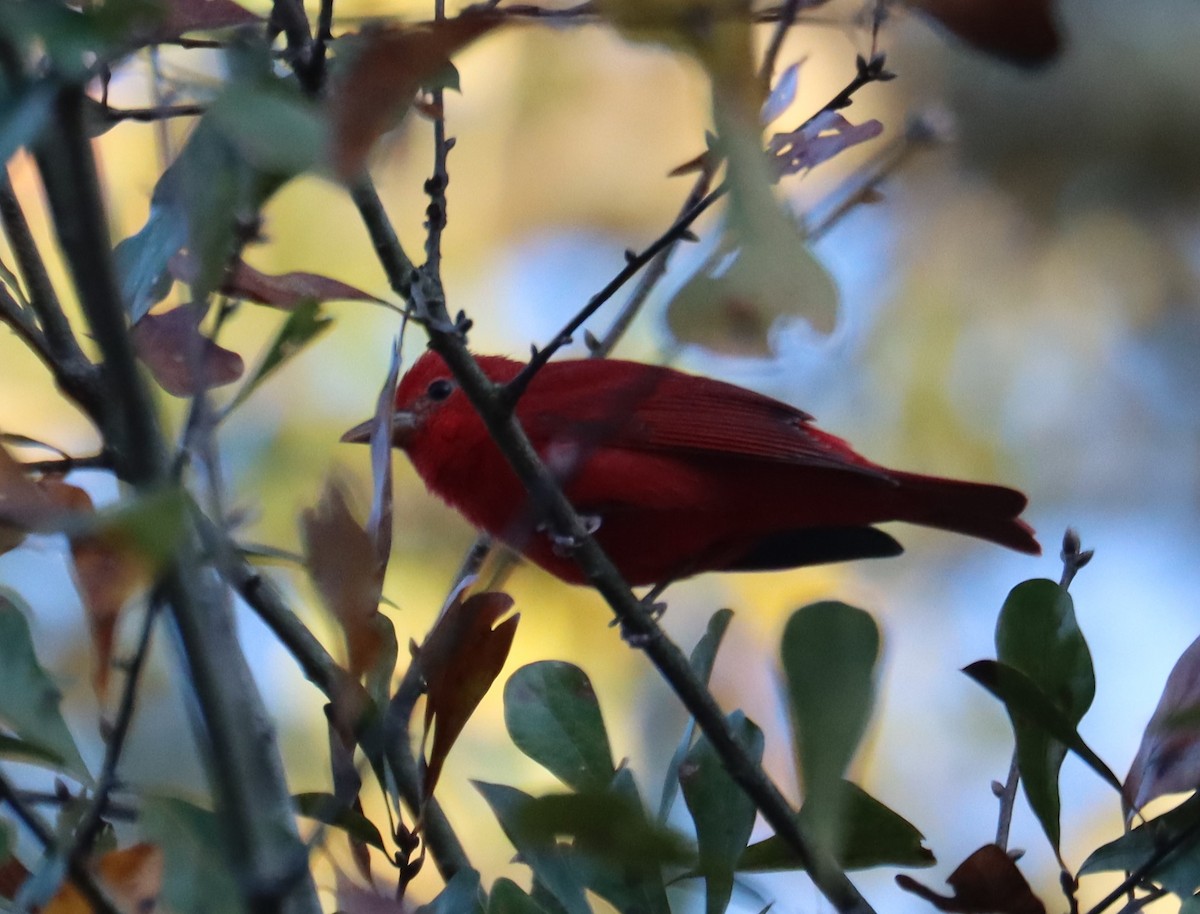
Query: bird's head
[[428, 395], [422, 393]]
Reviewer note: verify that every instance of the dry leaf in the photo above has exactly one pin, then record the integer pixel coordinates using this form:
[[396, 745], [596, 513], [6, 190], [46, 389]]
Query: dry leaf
[[286, 291], [817, 141], [23, 506], [987, 882], [377, 88], [183, 16], [133, 878], [342, 563], [182, 359], [460, 660], [1020, 31], [1168, 759], [107, 573]]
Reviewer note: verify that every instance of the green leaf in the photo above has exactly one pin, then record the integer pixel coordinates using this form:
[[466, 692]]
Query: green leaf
[[1037, 634], [152, 524], [553, 717], [551, 865], [199, 202], [723, 813], [25, 751], [509, 898], [461, 895], [325, 807], [276, 130], [625, 869], [872, 835], [762, 271], [22, 116], [704, 656], [302, 326], [1172, 839], [1022, 698], [602, 841], [29, 700], [196, 875], [829, 655]]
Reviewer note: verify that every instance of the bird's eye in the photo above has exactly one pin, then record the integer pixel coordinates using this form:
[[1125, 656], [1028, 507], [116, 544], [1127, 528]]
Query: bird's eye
[[439, 389]]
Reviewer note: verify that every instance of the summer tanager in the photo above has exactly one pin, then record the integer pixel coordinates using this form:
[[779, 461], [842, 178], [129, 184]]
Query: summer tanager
[[677, 474]]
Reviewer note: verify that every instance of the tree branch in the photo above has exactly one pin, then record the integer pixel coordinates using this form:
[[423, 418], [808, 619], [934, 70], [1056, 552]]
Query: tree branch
[[245, 770], [636, 620], [79, 874]]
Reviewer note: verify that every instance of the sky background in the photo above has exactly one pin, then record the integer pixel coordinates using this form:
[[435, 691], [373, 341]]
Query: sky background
[[1020, 307]]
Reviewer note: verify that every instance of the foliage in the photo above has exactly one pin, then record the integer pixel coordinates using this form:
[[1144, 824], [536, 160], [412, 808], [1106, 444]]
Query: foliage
[[296, 100]]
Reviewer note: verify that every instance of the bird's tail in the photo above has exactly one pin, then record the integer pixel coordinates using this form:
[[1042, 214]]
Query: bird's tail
[[977, 509]]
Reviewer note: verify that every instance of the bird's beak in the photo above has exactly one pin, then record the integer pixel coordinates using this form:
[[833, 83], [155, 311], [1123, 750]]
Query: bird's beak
[[402, 424]]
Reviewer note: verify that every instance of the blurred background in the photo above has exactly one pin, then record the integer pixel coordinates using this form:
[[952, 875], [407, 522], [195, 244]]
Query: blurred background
[[1019, 305]]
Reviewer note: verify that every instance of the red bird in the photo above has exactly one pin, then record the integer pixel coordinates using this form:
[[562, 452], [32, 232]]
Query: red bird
[[678, 474]]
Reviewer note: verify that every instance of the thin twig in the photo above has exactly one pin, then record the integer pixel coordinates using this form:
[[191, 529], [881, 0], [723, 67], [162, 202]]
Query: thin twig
[[639, 626], [92, 820], [247, 775], [1008, 798], [63, 465], [72, 370], [22, 325], [79, 874], [633, 265], [154, 114], [323, 671], [435, 186], [124, 812], [787, 18]]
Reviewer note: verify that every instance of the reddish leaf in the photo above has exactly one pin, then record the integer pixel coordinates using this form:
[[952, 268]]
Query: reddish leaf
[[1168, 760], [286, 291], [108, 570], [183, 16], [461, 659], [133, 878], [819, 140], [12, 875], [23, 506], [378, 86], [181, 358], [987, 882], [1020, 31], [379, 524], [342, 564]]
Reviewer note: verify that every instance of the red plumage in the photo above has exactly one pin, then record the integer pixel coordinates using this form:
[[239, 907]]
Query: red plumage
[[685, 474]]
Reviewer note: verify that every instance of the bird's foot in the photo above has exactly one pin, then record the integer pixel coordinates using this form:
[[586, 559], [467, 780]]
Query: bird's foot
[[564, 544], [638, 639]]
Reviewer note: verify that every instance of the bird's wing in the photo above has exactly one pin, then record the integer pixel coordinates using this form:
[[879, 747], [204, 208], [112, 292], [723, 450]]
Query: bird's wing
[[645, 408]]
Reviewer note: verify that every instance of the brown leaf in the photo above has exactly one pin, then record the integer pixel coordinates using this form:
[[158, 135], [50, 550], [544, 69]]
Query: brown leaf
[[286, 291], [377, 88], [107, 570], [133, 878], [817, 141], [12, 874], [461, 659], [342, 563], [1020, 31], [1168, 759], [181, 358], [183, 16], [987, 882], [23, 506]]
